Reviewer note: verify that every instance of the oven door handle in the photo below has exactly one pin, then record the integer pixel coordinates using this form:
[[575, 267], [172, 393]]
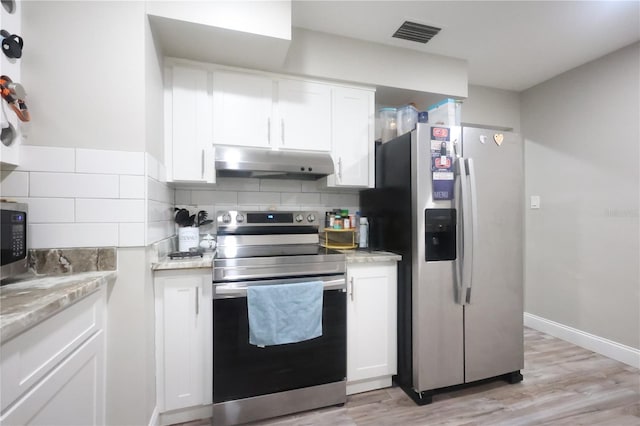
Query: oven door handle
[[239, 289]]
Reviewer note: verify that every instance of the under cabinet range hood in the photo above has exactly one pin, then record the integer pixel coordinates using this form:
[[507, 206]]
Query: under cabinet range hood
[[272, 164]]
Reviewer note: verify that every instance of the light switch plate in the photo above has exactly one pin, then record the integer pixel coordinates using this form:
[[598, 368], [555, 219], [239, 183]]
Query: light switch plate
[[535, 201]]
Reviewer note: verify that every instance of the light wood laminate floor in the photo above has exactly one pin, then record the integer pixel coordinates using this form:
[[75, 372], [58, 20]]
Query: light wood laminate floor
[[563, 385]]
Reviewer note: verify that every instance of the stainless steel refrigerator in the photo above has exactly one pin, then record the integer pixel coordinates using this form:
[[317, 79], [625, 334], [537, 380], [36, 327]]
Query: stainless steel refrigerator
[[450, 201]]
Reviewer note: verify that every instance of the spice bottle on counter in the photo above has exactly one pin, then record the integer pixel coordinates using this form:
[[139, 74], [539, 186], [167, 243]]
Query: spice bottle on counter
[[338, 222]]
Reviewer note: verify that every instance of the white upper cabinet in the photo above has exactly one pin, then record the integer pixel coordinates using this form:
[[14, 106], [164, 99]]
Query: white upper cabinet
[[189, 145], [353, 137], [246, 112], [304, 110], [212, 105], [242, 109]]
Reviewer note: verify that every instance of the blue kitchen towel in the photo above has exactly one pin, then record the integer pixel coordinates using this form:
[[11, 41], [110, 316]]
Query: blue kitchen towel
[[284, 313]]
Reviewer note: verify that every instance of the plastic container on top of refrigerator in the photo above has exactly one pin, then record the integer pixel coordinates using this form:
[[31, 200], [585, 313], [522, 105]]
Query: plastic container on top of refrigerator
[[446, 112], [388, 128], [407, 119]]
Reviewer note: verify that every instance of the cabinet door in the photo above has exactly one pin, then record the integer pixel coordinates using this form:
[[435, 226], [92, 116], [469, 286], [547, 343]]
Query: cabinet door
[[371, 321], [183, 339], [304, 110], [242, 109], [72, 394], [352, 136], [191, 142]]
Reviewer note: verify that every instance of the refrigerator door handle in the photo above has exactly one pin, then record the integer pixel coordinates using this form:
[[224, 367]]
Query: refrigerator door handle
[[473, 193], [466, 231]]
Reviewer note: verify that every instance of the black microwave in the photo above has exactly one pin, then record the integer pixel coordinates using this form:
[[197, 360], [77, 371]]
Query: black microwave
[[14, 239]]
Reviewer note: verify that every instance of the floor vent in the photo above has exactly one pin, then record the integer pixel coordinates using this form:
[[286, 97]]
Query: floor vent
[[413, 31]]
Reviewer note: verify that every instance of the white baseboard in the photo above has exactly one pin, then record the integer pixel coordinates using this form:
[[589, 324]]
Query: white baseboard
[[369, 384], [184, 415], [154, 417], [608, 348]]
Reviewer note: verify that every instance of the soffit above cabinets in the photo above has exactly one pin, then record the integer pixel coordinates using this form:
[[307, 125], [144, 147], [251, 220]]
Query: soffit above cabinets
[[244, 34]]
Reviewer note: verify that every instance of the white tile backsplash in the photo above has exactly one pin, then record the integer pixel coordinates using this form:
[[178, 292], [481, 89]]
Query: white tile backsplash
[[100, 210], [258, 198], [238, 184], [151, 166], [273, 194], [159, 207], [214, 197], [328, 199], [63, 235], [280, 185], [157, 231], [182, 196], [51, 210], [14, 184], [93, 198], [159, 191], [157, 211], [35, 158], [73, 185], [131, 234], [109, 162], [132, 186], [300, 198]]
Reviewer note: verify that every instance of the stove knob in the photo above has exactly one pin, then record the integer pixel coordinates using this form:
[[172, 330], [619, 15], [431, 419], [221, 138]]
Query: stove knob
[[311, 218], [239, 218], [226, 218], [299, 218]]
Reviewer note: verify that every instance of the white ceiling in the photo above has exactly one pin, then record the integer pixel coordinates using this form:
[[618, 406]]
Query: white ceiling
[[508, 44]]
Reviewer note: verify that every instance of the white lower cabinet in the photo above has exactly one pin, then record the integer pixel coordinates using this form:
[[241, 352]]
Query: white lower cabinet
[[371, 325], [54, 373], [184, 342]]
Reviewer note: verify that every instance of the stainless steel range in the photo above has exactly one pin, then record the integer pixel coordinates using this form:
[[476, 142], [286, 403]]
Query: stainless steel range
[[251, 382]]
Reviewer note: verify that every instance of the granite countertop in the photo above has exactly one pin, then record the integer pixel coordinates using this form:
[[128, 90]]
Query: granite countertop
[[370, 256], [164, 263], [28, 301]]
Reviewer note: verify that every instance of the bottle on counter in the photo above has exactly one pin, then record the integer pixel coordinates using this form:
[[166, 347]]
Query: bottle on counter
[[337, 222], [363, 240]]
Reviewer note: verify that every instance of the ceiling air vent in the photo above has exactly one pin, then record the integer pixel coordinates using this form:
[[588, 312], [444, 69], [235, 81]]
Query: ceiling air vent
[[413, 31]]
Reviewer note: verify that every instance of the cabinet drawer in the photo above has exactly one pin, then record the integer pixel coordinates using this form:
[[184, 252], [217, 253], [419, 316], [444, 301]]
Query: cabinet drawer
[[27, 358]]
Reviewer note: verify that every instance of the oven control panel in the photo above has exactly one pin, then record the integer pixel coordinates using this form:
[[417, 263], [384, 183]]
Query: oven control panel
[[240, 218]]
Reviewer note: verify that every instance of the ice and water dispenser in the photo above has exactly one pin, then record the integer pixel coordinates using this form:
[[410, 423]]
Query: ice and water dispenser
[[440, 234]]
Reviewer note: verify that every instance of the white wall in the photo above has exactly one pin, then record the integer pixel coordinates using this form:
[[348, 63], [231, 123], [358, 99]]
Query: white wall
[[11, 67], [266, 18], [581, 156], [94, 80], [130, 347], [84, 70], [154, 99], [329, 56], [487, 106]]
